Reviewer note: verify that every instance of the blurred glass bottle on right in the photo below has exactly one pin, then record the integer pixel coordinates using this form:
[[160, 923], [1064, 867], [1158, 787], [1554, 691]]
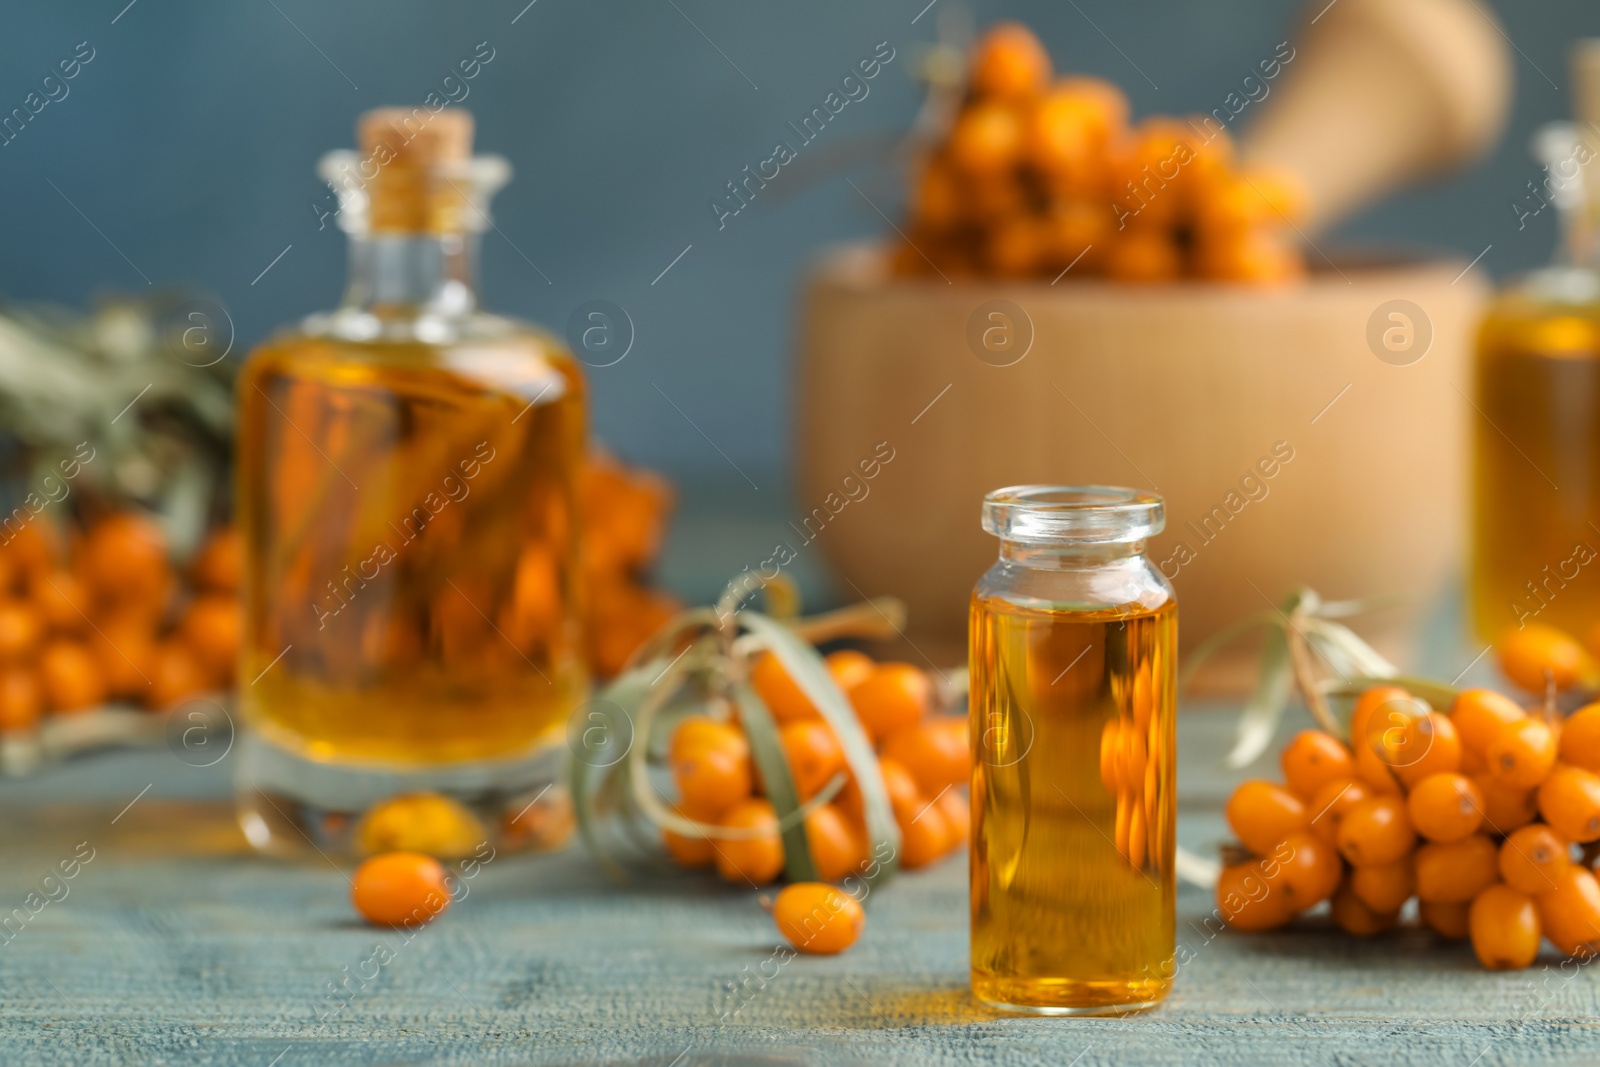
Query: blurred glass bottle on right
[[1536, 507]]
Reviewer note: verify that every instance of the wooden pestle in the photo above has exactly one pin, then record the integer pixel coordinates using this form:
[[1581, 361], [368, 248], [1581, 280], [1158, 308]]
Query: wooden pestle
[[1382, 93]]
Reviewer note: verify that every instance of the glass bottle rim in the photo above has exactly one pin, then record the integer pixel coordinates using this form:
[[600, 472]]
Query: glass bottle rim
[[1073, 514]]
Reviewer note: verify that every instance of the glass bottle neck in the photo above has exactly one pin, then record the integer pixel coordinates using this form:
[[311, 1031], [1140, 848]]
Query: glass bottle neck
[[1068, 557], [403, 275]]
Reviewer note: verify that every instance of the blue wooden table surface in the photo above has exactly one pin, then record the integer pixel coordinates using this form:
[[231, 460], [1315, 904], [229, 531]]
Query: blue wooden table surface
[[174, 944]]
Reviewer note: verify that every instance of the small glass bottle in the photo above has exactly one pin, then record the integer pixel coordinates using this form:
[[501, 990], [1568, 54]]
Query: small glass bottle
[[407, 487], [1536, 506], [1073, 645]]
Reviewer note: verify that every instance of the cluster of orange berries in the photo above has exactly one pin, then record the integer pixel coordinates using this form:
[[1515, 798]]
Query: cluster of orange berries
[[923, 759], [1036, 177], [110, 619], [1478, 813]]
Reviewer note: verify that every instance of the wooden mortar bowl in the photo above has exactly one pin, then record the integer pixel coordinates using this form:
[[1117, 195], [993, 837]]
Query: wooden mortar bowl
[[1186, 389]]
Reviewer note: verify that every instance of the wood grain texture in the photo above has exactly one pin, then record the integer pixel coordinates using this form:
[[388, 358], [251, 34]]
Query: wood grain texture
[[176, 945]]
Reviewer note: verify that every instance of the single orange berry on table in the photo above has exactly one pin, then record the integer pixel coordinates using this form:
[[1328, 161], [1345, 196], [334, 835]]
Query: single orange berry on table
[[1312, 760], [1452, 921], [1505, 928], [1304, 868], [1505, 807], [71, 676], [1580, 738], [756, 860], [817, 918], [778, 691], [837, 848], [1569, 913], [848, 667], [1478, 714], [1262, 814], [1354, 917], [21, 698], [175, 675], [400, 889], [1247, 901], [1522, 753], [1537, 653], [21, 630], [1445, 807], [696, 732], [1332, 802], [1385, 888], [1376, 831], [893, 697], [1569, 800], [1453, 872], [712, 779], [1531, 857], [813, 755], [1010, 62]]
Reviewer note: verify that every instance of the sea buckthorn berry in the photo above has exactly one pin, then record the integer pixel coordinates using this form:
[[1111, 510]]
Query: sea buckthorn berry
[[1479, 713], [1570, 912], [1505, 928], [757, 860], [63, 601], [429, 823], [1263, 814], [176, 674], [817, 918], [1424, 746], [21, 630], [712, 779], [124, 556], [1246, 899], [1569, 800], [986, 141], [848, 667], [957, 815], [1505, 807], [893, 697], [904, 796], [813, 755], [1532, 857], [1452, 921], [1110, 755], [1445, 807], [71, 676], [1354, 917], [1144, 254], [400, 889], [219, 565], [1384, 889], [778, 691], [925, 837], [1376, 831], [697, 732], [1010, 62], [1332, 801], [21, 698], [1580, 738], [1522, 753], [1537, 653], [1453, 872], [837, 849], [1371, 769], [1385, 701], [935, 752], [689, 850], [1304, 868], [1313, 759]]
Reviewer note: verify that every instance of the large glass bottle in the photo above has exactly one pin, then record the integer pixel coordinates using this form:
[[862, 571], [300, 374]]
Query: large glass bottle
[[1072, 654], [1536, 508], [407, 482]]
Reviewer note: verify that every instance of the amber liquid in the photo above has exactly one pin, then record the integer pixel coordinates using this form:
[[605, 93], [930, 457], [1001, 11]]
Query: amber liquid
[[1536, 550], [1073, 890], [408, 511]]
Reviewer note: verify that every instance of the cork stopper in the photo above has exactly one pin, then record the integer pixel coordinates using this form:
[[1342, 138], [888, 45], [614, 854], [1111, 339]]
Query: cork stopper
[[421, 161]]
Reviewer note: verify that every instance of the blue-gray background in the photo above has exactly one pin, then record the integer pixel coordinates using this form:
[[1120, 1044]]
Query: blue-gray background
[[189, 143]]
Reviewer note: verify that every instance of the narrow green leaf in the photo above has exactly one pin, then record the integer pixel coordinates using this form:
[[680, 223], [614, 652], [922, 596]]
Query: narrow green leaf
[[805, 666], [767, 751], [1259, 719]]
